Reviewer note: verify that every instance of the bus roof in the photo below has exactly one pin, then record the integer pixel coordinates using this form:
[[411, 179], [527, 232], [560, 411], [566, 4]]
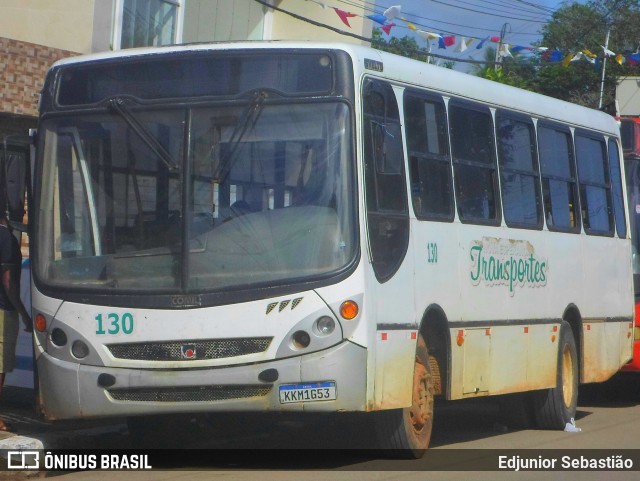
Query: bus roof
[[412, 72]]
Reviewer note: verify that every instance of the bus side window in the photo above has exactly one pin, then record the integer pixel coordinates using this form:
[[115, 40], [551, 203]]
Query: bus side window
[[475, 174], [519, 178], [385, 189], [595, 187], [559, 184], [429, 162], [616, 189]]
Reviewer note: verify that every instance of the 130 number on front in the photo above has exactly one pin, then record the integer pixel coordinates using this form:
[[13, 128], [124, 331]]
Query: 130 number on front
[[114, 323]]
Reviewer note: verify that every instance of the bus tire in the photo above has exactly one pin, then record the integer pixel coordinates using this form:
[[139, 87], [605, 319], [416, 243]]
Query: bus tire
[[406, 432], [556, 407]]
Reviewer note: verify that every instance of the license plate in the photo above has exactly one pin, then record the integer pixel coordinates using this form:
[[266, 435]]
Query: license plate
[[310, 392]]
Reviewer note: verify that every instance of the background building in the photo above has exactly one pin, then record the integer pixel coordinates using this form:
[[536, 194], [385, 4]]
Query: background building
[[36, 33]]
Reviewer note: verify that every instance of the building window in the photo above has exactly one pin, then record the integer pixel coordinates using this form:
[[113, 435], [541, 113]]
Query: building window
[[146, 23]]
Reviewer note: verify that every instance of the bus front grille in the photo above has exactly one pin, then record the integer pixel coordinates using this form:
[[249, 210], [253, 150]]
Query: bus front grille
[[202, 349], [190, 393]]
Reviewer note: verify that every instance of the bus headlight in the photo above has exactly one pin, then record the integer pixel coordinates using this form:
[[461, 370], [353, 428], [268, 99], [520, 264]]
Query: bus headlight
[[58, 337], [325, 325], [300, 339], [79, 349]]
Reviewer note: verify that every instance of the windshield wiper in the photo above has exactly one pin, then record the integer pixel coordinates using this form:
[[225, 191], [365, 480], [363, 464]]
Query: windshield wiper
[[248, 119], [117, 105]]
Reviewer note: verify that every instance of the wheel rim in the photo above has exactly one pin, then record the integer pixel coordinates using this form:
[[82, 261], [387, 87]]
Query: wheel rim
[[421, 411], [567, 376]]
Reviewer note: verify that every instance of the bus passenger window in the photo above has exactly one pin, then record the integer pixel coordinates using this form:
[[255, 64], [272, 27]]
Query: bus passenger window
[[559, 185], [429, 162], [595, 187], [519, 177], [616, 189], [385, 189], [472, 142]]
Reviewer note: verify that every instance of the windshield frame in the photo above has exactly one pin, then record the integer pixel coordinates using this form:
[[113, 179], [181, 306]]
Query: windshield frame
[[184, 298]]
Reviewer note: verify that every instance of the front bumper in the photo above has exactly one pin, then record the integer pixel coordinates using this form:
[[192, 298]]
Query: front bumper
[[70, 390]]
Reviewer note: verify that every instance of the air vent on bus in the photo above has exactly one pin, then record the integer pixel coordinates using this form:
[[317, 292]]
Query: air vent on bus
[[190, 393], [189, 350]]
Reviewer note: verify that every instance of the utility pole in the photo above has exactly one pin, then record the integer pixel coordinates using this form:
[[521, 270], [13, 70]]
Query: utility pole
[[503, 32], [604, 67]]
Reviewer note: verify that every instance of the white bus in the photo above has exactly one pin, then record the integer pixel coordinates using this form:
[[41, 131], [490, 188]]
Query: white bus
[[320, 227]]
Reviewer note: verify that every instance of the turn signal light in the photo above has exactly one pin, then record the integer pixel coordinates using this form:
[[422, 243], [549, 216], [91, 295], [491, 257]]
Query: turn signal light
[[349, 310], [40, 323]]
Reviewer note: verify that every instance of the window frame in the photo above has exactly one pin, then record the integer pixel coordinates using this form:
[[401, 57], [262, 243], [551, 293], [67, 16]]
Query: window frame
[[613, 145], [583, 133], [492, 166], [118, 18], [572, 180], [534, 172], [428, 158]]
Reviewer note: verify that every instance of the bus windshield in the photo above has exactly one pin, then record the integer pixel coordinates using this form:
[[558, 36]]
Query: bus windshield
[[175, 199]]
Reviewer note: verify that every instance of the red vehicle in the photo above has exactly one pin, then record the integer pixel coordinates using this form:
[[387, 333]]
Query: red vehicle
[[630, 135]]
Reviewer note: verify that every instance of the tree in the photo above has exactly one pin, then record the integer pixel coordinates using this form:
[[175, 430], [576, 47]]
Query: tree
[[578, 27]]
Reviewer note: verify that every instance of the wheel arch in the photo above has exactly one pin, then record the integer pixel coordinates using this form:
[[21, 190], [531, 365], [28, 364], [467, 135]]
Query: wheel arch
[[434, 327], [574, 318]]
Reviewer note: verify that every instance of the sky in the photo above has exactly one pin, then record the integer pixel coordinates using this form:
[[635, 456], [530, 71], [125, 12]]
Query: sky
[[522, 21]]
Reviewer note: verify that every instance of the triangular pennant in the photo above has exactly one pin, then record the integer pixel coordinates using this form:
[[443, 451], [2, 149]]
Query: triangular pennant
[[504, 51], [634, 58], [392, 12], [379, 18], [481, 44], [427, 35], [567, 60], [344, 16], [607, 52], [464, 44], [387, 27], [620, 59], [411, 26]]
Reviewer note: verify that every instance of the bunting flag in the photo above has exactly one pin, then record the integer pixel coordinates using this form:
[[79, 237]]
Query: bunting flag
[[392, 12], [464, 44], [344, 16], [446, 41], [387, 27], [607, 52], [481, 44], [427, 35], [504, 51], [568, 59], [378, 18]]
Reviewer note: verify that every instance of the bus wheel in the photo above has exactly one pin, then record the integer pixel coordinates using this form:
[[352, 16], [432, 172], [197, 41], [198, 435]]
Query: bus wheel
[[556, 407], [406, 432]]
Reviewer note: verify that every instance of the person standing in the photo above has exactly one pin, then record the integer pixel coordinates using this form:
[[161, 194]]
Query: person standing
[[11, 305]]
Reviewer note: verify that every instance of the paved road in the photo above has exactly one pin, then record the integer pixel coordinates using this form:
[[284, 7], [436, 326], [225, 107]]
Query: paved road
[[609, 418]]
